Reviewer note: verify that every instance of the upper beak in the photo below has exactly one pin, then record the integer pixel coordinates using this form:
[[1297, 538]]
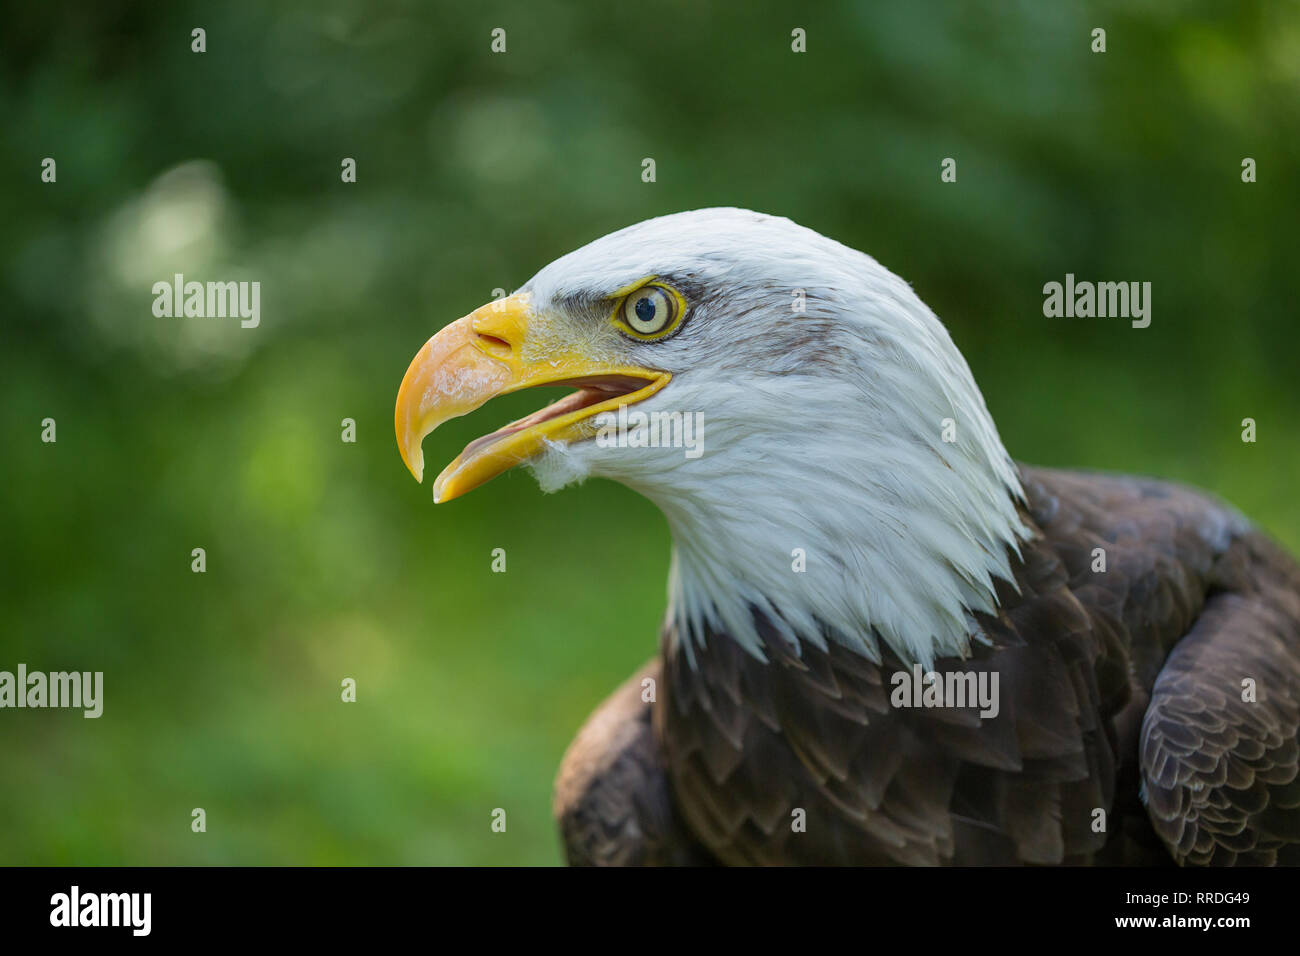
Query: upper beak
[[483, 355]]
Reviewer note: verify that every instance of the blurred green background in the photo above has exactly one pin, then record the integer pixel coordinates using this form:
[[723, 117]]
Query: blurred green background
[[325, 560]]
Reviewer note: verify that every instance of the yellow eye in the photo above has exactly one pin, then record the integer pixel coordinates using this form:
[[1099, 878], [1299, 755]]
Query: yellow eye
[[650, 312]]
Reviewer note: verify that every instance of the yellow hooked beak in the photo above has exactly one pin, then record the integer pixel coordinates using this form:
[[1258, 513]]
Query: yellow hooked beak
[[485, 354]]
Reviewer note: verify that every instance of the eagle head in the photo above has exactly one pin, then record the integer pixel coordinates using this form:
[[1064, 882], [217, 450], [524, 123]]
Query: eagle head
[[816, 441]]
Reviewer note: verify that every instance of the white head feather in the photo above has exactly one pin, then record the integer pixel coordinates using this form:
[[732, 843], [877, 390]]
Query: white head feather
[[824, 431]]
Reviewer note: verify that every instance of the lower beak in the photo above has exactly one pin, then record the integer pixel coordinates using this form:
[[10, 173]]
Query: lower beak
[[483, 355]]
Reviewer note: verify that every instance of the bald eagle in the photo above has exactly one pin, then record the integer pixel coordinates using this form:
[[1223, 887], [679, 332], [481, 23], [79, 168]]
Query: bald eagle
[[856, 562]]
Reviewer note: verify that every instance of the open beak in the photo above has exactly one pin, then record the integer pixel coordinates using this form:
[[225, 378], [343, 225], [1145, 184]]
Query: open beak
[[486, 354]]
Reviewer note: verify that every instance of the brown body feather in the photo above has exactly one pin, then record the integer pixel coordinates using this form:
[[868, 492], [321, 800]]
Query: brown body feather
[[1113, 685]]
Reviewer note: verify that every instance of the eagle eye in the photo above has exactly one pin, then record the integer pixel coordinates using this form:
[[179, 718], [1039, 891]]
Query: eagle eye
[[650, 312]]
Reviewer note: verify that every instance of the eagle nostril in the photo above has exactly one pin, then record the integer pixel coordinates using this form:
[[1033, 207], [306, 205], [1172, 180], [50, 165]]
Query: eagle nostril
[[493, 345]]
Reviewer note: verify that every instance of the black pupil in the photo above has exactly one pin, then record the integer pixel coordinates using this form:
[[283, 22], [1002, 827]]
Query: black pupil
[[645, 309]]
